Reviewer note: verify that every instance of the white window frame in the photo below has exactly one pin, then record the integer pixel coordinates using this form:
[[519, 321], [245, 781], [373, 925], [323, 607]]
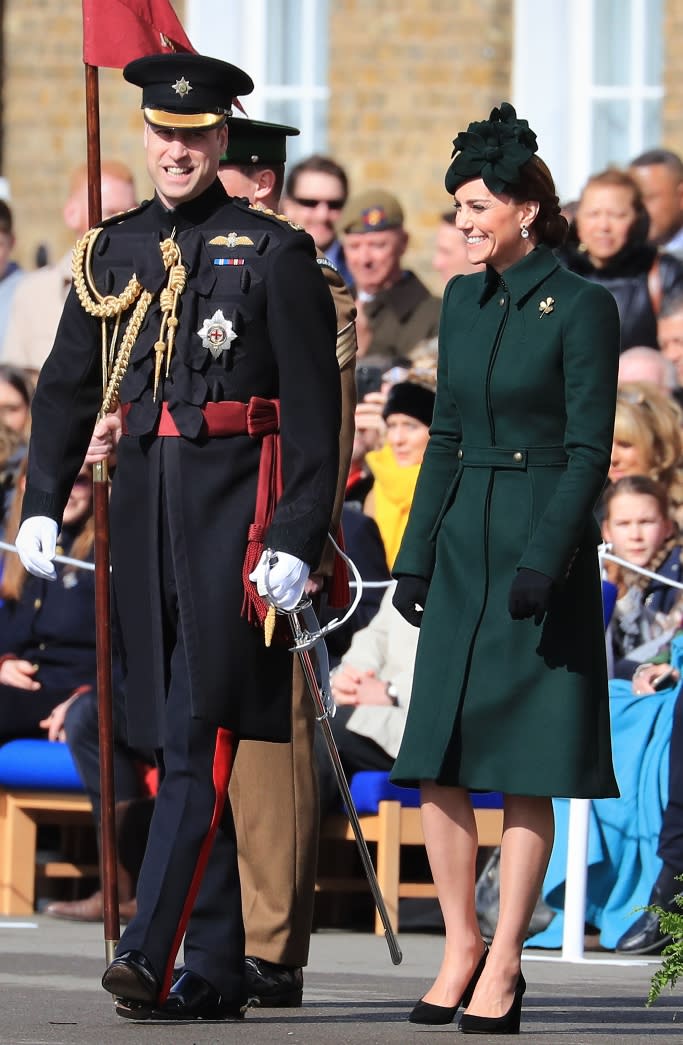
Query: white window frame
[[553, 86], [239, 34]]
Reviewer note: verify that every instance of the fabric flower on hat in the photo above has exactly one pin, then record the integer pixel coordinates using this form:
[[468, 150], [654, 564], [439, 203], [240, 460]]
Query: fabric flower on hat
[[493, 150]]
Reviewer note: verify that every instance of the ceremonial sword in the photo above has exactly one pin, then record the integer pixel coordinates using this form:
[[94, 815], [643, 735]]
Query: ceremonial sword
[[308, 635]]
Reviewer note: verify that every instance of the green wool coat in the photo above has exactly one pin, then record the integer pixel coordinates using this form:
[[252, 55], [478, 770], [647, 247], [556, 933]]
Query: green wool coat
[[518, 455]]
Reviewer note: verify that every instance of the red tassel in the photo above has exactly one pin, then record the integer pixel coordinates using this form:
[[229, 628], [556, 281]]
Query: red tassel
[[254, 607]]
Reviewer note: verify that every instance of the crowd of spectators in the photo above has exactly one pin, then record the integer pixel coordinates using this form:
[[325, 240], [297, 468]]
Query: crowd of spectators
[[626, 231]]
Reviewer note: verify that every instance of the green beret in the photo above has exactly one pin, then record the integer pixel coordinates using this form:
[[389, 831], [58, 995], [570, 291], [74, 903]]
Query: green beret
[[493, 150], [372, 211], [256, 142]]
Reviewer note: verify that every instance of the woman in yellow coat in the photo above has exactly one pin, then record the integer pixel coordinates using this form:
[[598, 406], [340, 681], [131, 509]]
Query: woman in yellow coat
[[395, 467], [510, 686]]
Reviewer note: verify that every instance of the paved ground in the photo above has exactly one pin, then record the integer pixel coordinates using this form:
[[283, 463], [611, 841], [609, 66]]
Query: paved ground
[[353, 995]]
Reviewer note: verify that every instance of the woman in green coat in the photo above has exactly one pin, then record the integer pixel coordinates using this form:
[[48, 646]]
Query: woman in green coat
[[499, 563]]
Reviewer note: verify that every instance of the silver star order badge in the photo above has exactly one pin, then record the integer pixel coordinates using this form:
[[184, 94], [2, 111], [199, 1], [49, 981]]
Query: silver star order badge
[[182, 87], [217, 333]]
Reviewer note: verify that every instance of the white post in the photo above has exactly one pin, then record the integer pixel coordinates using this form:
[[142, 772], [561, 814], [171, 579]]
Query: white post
[[575, 880]]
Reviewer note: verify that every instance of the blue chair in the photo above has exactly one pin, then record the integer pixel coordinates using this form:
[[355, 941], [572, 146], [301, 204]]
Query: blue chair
[[38, 784], [390, 818]]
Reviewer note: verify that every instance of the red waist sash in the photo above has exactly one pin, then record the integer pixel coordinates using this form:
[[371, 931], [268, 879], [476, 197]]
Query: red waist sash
[[259, 419]]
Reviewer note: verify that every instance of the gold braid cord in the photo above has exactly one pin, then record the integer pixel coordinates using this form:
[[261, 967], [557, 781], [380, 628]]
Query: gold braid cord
[[109, 306], [170, 252]]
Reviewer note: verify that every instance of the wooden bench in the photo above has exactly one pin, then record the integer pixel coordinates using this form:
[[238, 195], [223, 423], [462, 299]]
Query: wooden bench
[[395, 823], [38, 785]]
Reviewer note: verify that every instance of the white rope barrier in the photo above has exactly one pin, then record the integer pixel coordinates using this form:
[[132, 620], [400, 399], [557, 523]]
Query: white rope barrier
[[579, 808], [80, 564], [576, 874]]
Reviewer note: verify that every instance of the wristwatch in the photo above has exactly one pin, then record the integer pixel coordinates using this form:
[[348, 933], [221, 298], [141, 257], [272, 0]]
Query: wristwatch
[[392, 693]]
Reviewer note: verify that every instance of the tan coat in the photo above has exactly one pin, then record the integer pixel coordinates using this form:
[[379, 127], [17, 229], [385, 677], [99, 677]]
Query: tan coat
[[277, 839]]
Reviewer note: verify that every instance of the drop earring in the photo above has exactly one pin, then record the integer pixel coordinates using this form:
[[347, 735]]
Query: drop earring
[[524, 232]]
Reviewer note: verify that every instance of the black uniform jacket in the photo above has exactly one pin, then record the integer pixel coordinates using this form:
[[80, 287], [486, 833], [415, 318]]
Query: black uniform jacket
[[261, 274], [626, 277]]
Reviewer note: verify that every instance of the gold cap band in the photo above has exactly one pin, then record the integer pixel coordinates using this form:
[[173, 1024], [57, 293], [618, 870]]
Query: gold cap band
[[162, 118]]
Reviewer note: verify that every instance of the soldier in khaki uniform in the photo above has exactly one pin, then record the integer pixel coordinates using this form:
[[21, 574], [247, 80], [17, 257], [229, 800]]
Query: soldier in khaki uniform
[[395, 309], [278, 881]]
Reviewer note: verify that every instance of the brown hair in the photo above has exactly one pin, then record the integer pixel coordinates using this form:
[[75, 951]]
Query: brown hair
[[78, 179], [614, 177], [651, 419], [536, 183], [13, 574], [318, 164], [642, 486]]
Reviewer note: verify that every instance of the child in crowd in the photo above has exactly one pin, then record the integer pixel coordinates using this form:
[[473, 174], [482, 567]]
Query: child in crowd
[[640, 530]]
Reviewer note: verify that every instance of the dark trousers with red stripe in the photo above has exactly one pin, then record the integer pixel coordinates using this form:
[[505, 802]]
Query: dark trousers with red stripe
[[189, 879]]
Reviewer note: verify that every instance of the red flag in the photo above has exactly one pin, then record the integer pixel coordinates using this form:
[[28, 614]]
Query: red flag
[[117, 31]]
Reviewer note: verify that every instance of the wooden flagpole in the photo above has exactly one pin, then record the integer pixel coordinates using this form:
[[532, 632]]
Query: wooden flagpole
[[102, 581]]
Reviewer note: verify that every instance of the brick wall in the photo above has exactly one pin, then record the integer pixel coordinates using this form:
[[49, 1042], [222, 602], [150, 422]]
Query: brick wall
[[44, 118], [405, 77], [672, 124]]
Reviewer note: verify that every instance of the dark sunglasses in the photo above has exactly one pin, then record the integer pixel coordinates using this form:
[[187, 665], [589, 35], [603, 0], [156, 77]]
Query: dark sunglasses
[[305, 202]]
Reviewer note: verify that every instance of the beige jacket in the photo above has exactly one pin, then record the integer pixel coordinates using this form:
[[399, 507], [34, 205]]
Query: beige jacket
[[35, 313], [387, 646]]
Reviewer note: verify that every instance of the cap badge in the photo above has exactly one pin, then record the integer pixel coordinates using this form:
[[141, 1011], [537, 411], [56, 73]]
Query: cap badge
[[546, 306], [217, 334], [182, 87], [231, 240], [374, 216]]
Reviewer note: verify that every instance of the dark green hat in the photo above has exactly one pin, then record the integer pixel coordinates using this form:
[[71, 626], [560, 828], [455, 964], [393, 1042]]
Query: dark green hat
[[187, 90], [494, 150], [255, 141]]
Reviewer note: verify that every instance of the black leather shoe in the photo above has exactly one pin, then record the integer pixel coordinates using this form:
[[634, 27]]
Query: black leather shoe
[[192, 998], [645, 936], [131, 978], [273, 986]]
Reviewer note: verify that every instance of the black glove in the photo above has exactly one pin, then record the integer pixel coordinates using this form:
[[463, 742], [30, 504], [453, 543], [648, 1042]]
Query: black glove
[[530, 594], [410, 593]]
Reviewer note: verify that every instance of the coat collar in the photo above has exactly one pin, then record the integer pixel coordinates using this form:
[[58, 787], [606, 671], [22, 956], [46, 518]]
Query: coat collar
[[522, 278], [195, 211]]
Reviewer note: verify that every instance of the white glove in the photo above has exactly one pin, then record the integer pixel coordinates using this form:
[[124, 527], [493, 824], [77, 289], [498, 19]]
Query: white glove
[[280, 578], [36, 544]]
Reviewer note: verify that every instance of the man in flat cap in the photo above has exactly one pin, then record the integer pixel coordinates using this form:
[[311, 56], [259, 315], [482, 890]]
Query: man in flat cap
[[274, 789], [221, 501], [395, 309]]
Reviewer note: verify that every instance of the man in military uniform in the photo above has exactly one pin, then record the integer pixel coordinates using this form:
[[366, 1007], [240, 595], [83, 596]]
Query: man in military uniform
[[395, 309], [274, 789], [230, 398]]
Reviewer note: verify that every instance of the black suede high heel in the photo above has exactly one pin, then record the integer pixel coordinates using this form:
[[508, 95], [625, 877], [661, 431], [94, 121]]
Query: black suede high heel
[[425, 1012], [508, 1023]]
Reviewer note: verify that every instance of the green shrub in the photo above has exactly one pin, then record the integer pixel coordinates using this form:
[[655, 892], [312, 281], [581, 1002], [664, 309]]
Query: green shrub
[[671, 969]]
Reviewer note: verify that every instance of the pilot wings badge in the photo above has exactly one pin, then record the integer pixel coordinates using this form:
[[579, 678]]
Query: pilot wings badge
[[231, 240], [217, 334]]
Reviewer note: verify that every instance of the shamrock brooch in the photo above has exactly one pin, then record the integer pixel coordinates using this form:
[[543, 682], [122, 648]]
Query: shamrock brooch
[[546, 306]]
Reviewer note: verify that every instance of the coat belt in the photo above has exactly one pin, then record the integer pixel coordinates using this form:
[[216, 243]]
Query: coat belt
[[515, 457]]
